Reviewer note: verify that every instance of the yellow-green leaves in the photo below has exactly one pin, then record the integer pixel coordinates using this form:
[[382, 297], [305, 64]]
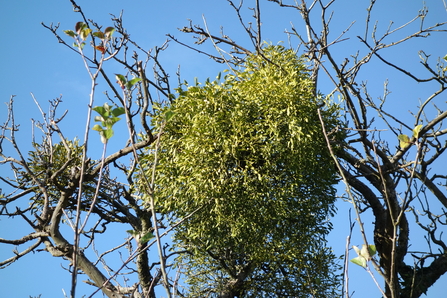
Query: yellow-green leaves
[[405, 141], [62, 158], [81, 33], [364, 255], [124, 83], [416, 131], [108, 116], [70, 33], [247, 150]]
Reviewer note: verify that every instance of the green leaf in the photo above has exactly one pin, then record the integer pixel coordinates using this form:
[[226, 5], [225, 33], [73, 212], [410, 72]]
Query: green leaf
[[101, 111], [168, 115], [84, 33], [80, 26], [70, 33], [98, 34], [404, 141], [372, 250], [108, 32], [118, 111], [132, 82], [108, 119], [108, 133], [361, 261], [97, 127], [121, 80], [416, 131], [365, 254], [148, 236]]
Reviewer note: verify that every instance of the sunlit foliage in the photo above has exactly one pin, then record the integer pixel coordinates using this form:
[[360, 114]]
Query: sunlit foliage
[[249, 154]]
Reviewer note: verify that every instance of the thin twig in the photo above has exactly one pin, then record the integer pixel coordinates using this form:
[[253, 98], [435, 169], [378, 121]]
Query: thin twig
[[348, 190]]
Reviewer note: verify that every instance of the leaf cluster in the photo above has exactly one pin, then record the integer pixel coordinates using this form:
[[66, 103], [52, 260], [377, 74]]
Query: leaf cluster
[[52, 167], [364, 255], [82, 31], [108, 116], [250, 154], [405, 141]]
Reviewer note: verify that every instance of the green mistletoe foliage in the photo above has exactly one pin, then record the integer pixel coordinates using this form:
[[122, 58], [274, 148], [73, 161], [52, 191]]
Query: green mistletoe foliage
[[248, 153], [53, 172], [50, 167]]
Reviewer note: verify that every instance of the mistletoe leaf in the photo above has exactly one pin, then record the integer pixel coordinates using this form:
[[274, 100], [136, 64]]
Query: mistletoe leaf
[[168, 115]]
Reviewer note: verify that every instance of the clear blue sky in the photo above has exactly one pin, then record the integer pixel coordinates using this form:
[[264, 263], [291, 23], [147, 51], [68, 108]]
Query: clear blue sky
[[32, 61]]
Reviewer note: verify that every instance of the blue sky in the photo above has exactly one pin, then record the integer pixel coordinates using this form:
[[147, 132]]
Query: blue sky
[[32, 61]]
